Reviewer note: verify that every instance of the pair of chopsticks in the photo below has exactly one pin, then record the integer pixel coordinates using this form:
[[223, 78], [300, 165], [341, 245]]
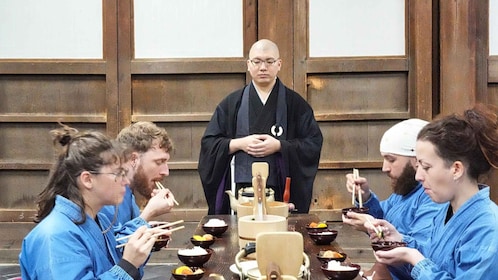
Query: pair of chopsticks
[[161, 187], [356, 175], [156, 234]]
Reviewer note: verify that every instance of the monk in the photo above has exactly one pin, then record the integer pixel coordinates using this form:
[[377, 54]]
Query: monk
[[263, 121]]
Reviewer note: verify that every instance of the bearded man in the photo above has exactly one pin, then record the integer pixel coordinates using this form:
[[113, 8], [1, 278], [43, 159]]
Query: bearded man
[[148, 150], [408, 207]]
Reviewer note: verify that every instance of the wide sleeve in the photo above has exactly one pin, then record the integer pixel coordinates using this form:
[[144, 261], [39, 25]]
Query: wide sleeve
[[420, 228], [374, 206], [214, 158], [301, 151]]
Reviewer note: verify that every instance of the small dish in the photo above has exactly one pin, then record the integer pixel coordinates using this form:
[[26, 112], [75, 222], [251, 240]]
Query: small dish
[[346, 274], [203, 243], [323, 237], [387, 245], [196, 260], [215, 230], [196, 275], [362, 210], [323, 257], [316, 227]]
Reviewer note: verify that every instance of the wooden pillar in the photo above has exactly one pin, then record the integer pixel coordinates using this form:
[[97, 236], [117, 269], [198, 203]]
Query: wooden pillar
[[420, 54], [275, 22], [463, 44]]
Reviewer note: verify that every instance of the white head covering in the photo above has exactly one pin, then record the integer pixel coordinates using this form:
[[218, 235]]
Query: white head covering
[[400, 139]]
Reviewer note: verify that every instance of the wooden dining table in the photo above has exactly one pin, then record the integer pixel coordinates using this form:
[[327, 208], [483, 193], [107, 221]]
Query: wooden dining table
[[226, 246]]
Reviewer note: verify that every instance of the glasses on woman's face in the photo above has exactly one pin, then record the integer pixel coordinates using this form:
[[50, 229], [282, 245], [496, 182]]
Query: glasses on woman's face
[[122, 174], [268, 62]]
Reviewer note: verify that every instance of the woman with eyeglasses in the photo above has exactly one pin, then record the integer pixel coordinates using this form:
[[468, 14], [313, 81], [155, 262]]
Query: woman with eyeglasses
[[452, 154], [72, 241]]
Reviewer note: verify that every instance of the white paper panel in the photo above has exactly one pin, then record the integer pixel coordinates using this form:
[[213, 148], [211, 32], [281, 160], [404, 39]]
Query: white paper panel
[[344, 28], [188, 28], [493, 27], [51, 29]]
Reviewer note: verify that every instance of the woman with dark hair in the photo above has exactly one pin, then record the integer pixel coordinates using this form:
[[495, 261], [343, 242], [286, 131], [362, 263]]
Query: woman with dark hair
[[71, 240], [452, 154]]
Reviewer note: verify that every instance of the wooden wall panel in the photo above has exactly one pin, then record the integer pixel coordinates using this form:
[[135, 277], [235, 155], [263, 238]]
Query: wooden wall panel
[[186, 138], [352, 141], [186, 186], [31, 143], [21, 187], [358, 93], [53, 95], [493, 69], [181, 94]]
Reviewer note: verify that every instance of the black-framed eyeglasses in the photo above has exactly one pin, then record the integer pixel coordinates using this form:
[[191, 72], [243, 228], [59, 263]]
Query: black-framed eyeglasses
[[120, 174], [258, 62]]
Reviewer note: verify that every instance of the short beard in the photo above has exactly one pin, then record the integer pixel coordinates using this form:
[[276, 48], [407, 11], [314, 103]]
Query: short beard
[[406, 181], [140, 183]]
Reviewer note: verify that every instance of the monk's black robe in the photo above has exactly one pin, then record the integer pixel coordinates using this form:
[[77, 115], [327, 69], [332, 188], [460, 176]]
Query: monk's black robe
[[301, 143]]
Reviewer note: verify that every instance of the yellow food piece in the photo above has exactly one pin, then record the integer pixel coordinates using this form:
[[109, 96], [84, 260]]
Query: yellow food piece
[[321, 225], [207, 237], [185, 270], [198, 238]]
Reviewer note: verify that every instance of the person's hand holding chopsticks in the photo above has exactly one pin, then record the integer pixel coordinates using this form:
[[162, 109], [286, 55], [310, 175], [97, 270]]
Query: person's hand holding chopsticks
[[379, 229], [356, 220], [161, 202], [157, 229], [139, 245], [358, 185]]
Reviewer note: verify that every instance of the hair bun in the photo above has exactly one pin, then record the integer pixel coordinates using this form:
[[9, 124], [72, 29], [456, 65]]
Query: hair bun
[[65, 140], [474, 119]]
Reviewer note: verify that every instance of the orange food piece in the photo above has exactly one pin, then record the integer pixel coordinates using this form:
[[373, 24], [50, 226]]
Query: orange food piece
[[313, 225], [331, 254], [185, 270], [336, 255]]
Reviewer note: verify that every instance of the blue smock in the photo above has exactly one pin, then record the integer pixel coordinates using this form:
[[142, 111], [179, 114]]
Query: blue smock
[[466, 247], [128, 217], [412, 215], [58, 248]]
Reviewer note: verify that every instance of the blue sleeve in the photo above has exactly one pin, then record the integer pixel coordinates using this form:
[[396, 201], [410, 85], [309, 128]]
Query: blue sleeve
[[374, 206], [66, 257]]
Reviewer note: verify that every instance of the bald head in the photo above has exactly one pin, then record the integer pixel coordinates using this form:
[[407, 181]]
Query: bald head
[[266, 46]]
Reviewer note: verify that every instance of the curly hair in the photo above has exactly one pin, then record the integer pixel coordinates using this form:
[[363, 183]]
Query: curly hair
[[140, 137]]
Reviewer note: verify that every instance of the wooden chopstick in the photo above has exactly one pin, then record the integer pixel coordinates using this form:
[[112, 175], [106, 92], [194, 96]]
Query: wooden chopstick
[[161, 187], [156, 234], [167, 225], [158, 227], [356, 175], [353, 193], [168, 230]]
